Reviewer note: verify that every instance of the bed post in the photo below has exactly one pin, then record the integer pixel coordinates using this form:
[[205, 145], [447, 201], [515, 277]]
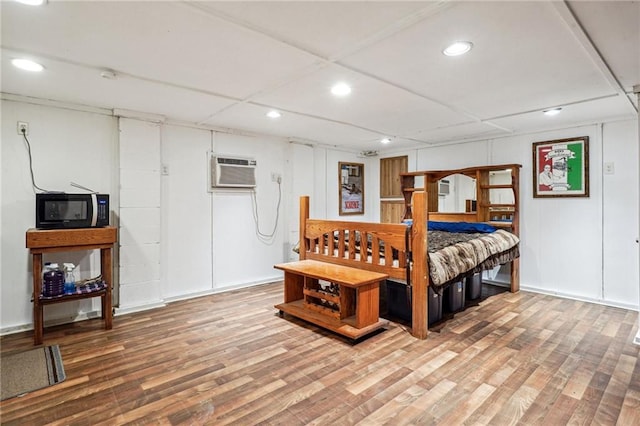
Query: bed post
[[515, 227], [419, 273], [304, 215]]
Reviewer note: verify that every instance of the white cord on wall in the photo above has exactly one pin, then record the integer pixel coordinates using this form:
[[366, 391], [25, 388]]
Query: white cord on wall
[[266, 238], [33, 180]]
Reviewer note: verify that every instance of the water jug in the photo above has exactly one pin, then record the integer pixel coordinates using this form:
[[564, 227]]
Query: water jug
[[52, 281]]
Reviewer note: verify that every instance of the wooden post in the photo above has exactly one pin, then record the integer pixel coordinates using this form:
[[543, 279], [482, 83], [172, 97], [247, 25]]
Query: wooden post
[[304, 215], [515, 184], [419, 272], [515, 227], [483, 196]]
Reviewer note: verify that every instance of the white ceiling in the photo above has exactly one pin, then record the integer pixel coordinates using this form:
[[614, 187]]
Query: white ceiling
[[226, 64]]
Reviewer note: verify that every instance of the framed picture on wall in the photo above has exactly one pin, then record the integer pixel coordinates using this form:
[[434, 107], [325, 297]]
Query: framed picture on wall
[[561, 168], [351, 188]]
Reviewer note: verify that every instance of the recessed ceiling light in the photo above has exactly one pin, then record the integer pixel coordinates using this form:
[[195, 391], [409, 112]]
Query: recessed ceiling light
[[341, 89], [553, 111], [385, 140], [27, 65], [458, 48], [274, 114], [31, 2]]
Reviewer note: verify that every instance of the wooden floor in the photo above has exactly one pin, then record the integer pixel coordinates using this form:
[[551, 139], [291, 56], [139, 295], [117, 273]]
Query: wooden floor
[[520, 358]]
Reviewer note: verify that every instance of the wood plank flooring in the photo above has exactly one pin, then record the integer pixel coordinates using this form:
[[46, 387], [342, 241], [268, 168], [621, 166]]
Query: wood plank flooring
[[521, 358]]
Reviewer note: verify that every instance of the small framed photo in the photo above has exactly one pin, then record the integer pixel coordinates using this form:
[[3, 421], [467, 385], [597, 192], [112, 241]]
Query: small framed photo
[[351, 188], [561, 168]]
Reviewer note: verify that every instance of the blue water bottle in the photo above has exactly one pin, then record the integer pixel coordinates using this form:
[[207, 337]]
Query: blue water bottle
[[69, 279]]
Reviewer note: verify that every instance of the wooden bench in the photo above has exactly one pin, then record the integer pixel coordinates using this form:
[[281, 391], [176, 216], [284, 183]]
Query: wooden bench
[[347, 302]]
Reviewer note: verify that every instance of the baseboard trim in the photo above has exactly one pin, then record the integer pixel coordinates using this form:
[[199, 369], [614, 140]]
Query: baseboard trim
[[165, 301], [223, 289], [52, 322], [138, 308], [627, 306]]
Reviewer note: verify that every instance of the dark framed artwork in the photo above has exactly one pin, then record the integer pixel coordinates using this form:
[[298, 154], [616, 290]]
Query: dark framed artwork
[[351, 188], [561, 168]]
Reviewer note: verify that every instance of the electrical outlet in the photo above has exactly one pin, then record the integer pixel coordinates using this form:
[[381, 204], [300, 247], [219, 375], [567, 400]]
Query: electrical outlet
[[23, 126], [165, 170], [609, 168], [275, 177]]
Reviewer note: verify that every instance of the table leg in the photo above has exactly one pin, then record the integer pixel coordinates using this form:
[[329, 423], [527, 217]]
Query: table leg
[[107, 275], [38, 314]]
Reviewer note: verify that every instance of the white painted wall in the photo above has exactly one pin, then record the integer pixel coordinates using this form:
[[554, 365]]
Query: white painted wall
[[186, 261], [620, 201], [66, 145], [140, 215], [240, 257], [301, 180]]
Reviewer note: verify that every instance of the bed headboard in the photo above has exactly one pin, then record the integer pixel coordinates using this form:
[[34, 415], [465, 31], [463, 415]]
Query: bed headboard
[[485, 209]]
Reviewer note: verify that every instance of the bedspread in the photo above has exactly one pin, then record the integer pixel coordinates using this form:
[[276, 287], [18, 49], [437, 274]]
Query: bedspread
[[453, 255]]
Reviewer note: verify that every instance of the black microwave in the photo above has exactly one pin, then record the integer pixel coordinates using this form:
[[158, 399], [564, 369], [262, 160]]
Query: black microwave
[[61, 211]]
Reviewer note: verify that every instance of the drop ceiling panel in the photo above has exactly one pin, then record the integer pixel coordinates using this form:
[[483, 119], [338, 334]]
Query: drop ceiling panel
[[71, 83], [524, 58], [615, 107], [325, 28], [372, 104], [252, 118], [617, 37], [458, 133], [166, 41]]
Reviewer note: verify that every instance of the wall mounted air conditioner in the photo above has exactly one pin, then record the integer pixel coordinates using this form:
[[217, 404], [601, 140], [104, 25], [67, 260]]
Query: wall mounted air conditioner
[[443, 187], [232, 172]]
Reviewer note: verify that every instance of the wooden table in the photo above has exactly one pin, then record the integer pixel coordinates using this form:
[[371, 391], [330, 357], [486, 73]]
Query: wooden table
[[40, 241], [352, 310]]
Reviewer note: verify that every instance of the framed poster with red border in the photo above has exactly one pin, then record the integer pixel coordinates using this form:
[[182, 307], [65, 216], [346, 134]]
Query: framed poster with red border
[[561, 168]]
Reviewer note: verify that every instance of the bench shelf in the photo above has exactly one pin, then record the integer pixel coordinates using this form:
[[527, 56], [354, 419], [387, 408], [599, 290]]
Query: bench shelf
[[351, 311]]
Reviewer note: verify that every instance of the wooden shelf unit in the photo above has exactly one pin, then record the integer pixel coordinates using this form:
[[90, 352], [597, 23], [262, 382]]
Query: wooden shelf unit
[[40, 241], [485, 210], [352, 311]]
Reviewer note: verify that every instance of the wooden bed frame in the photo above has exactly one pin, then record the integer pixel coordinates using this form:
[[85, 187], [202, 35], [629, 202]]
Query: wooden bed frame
[[326, 240]]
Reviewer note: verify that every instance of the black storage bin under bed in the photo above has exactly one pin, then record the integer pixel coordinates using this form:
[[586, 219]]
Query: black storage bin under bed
[[473, 286], [454, 297], [399, 302]]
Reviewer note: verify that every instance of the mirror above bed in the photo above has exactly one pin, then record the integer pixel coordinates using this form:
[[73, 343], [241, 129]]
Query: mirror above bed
[[453, 193]]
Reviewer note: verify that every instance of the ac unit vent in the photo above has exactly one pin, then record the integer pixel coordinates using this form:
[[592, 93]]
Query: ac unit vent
[[443, 187], [233, 172]]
